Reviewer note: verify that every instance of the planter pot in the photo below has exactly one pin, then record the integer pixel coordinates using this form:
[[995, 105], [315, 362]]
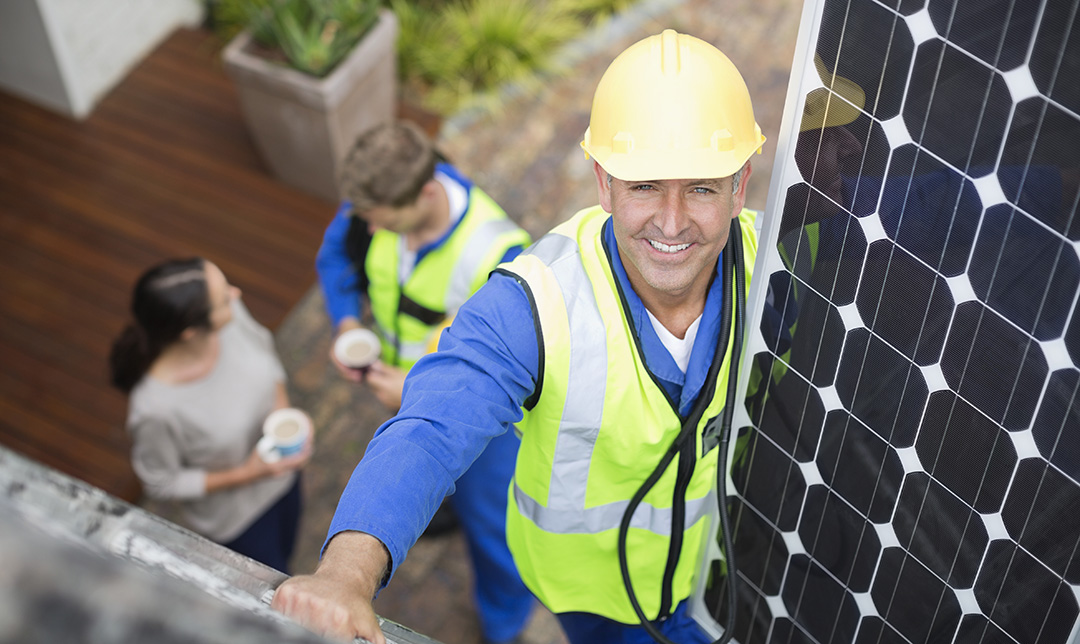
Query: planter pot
[[302, 125]]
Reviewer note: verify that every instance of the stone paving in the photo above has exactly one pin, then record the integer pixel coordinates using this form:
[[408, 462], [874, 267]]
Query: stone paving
[[527, 157]]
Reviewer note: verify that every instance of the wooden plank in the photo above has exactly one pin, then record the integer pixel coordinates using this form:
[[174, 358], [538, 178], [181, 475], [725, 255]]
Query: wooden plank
[[192, 200], [38, 362], [244, 247], [69, 415], [68, 449], [23, 258], [60, 231], [59, 320], [110, 473]]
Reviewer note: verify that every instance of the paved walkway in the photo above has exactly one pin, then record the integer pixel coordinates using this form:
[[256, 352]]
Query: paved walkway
[[527, 157]]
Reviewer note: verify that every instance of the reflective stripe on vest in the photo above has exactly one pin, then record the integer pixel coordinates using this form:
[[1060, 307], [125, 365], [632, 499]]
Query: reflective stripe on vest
[[440, 282], [476, 263], [598, 519], [600, 426]]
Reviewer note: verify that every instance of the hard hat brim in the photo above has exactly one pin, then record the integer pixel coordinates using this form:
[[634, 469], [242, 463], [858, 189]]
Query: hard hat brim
[[659, 165]]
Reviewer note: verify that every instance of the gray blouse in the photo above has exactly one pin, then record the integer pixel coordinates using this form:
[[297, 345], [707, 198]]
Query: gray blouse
[[180, 432]]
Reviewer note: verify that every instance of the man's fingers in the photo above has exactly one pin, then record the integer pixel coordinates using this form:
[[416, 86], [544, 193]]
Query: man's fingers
[[338, 625], [302, 599], [354, 375], [314, 613]]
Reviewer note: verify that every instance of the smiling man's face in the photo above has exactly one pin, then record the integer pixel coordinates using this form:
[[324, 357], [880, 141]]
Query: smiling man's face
[[670, 232]]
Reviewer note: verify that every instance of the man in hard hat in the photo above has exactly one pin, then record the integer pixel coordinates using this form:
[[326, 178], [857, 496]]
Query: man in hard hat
[[415, 237], [603, 342]]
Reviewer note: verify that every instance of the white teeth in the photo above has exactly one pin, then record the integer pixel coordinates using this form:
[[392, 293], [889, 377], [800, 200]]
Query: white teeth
[[664, 248]]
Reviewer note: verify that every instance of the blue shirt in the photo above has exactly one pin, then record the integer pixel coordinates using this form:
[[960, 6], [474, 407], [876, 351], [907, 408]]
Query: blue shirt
[[471, 390], [340, 280]]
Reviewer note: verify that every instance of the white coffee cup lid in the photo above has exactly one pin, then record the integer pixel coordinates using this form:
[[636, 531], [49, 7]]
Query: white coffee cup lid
[[363, 337], [288, 413]]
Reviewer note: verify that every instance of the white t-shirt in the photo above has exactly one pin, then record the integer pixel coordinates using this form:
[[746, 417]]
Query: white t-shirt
[[678, 348], [458, 197]]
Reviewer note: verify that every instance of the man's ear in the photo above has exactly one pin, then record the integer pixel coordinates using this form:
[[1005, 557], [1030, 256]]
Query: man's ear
[[428, 198], [428, 189], [740, 195], [602, 188], [188, 334]]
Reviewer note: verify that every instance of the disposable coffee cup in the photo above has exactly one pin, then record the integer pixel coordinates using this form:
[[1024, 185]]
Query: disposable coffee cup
[[284, 433], [357, 348]]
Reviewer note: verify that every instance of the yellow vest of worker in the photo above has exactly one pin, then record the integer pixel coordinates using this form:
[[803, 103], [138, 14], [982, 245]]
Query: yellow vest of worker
[[407, 315], [598, 428]]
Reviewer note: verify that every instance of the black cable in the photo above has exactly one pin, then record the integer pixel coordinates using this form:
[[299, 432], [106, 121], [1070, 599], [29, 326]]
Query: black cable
[[733, 271]]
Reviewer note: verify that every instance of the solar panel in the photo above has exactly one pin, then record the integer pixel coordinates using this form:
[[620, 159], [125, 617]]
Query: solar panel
[[907, 467]]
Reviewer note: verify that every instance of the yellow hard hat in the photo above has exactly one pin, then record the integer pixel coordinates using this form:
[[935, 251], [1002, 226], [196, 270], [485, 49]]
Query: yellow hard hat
[[821, 110], [671, 106]]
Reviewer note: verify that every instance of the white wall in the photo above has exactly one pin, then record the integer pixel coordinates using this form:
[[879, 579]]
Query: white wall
[[67, 54]]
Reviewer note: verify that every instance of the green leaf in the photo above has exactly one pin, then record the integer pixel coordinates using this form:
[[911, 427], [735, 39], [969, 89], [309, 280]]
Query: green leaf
[[313, 35]]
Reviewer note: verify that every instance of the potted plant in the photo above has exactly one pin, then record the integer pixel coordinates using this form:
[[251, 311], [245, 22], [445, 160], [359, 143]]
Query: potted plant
[[311, 75], [461, 55]]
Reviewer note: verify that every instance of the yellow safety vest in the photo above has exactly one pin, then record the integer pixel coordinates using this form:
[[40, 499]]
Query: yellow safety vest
[[599, 427], [407, 315]]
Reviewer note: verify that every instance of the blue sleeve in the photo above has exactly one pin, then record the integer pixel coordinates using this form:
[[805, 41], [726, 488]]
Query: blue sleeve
[[337, 277], [511, 253], [454, 402]]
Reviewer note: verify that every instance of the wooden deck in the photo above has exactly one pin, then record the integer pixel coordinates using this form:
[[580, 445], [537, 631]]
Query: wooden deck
[[162, 168]]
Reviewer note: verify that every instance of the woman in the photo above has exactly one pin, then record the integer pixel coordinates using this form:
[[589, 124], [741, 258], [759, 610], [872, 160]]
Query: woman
[[202, 376]]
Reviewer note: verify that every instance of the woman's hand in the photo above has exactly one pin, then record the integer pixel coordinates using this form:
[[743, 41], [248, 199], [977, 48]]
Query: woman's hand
[[255, 468], [261, 469]]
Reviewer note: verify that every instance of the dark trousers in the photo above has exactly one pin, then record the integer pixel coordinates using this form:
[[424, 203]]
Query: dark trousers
[[586, 628], [503, 602], [272, 537]]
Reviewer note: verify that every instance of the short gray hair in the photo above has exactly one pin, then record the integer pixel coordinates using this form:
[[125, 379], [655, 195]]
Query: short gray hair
[[736, 179]]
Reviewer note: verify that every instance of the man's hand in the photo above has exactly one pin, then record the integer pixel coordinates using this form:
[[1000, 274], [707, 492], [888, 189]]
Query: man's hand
[[386, 383], [336, 600]]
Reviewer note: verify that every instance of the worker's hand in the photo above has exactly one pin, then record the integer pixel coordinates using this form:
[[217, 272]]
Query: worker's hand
[[323, 606], [336, 600], [386, 383], [348, 373]]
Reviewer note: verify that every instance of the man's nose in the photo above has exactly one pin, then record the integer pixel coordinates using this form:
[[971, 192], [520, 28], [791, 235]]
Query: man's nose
[[672, 219]]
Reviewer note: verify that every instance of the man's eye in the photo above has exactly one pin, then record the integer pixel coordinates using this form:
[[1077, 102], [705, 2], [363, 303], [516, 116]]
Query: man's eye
[[702, 190], [642, 186]]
